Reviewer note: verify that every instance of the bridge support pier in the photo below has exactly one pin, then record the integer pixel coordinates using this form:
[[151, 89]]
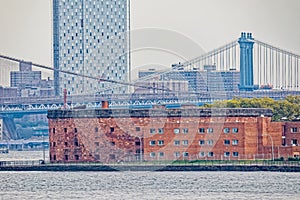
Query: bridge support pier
[[246, 62]]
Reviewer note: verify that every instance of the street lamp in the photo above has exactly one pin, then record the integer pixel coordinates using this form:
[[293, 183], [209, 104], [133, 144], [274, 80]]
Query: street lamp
[[141, 149], [266, 134], [141, 146]]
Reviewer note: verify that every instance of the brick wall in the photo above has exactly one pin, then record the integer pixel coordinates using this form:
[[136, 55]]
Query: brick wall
[[103, 136]]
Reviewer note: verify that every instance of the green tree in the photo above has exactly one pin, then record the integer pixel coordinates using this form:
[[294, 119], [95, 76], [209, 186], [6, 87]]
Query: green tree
[[287, 109]]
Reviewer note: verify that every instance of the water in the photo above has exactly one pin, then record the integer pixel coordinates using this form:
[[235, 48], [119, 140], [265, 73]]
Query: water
[[149, 185], [144, 185]]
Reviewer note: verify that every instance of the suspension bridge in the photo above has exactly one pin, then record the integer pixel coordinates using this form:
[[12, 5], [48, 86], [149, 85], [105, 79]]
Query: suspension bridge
[[258, 63]]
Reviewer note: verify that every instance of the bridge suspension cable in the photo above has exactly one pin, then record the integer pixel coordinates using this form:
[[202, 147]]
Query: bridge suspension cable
[[276, 67], [224, 58], [84, 76]]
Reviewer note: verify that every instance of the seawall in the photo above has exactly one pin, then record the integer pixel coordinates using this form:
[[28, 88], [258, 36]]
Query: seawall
[[106, 168]]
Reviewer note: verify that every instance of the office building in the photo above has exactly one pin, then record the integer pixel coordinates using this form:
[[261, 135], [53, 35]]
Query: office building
[[207, 80], [91, 38], [28, 83]]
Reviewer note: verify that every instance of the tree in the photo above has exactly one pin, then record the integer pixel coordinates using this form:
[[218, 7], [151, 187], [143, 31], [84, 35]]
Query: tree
[[287, 109]]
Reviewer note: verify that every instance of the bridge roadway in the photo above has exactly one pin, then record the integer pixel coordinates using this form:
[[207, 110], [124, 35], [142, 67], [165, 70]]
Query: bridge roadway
[[35, 105]]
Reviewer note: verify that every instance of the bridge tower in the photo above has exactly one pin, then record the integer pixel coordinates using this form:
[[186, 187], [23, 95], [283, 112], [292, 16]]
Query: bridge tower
[[246, 62]]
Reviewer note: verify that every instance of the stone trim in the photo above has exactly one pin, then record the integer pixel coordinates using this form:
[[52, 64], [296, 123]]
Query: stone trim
[[145, 113]]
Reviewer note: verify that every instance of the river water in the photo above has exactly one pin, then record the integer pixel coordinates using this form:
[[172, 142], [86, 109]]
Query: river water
[[149, 185], [145, 185]]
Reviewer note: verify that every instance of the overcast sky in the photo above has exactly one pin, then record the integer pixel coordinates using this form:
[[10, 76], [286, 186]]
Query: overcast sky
[[26, 25]]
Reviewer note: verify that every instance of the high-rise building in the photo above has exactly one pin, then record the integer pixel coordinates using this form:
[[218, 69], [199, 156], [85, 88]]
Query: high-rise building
[[91, 38]]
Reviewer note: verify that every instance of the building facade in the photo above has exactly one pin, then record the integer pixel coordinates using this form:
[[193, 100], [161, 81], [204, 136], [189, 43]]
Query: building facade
[[159, 87], [29, 83], [191, 133], [207, 80], [91, 38], [8, 92]]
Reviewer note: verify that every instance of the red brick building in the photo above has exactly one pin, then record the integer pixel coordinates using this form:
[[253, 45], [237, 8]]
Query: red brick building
[[191, 133]]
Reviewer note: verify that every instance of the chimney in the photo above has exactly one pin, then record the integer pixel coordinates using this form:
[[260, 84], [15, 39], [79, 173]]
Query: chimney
[[65, 98], [105, 104]]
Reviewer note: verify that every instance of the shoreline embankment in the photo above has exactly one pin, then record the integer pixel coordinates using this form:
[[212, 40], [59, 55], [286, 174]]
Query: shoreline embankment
[[157, 168]]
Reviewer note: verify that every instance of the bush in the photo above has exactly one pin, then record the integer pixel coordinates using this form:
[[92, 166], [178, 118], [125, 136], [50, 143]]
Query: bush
[[293, 159], [279, 159]]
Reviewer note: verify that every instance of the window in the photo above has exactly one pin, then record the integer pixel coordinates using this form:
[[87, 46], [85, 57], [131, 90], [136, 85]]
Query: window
[[226, 130], [202, 154], [235, 130], [226, 142], [96, 130], [176, 154], [210, 130], [160, 131], [137, 128], [176, 130], [137, 143], [210, 154], [152, 142], [201, 142], [226, 154], [294, 142], [176, 142], [75, 130], [294, 130], [76, 143], [53, 130], [152, 130], [210, 142], [65, 130], [76, 157], [202, 130], [112, 129], [161, 154], [235, 142], [185, 130], [185, 154], [160, 142], [235, 154], [185, 142], [152, 154]]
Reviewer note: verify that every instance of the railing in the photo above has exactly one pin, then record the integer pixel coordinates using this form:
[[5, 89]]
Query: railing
[[26, 163], [21, 163]]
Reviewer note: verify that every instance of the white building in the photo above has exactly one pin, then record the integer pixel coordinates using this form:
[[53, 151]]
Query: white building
[[1, 129], [91, 38]]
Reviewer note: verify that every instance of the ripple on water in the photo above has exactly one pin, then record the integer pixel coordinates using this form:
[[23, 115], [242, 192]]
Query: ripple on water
[[149, 185]]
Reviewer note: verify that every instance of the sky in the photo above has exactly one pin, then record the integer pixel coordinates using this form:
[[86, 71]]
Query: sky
[[190, 25]]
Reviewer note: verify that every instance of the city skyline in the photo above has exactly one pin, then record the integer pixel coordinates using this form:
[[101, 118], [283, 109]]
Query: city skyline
[[27, 24]]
